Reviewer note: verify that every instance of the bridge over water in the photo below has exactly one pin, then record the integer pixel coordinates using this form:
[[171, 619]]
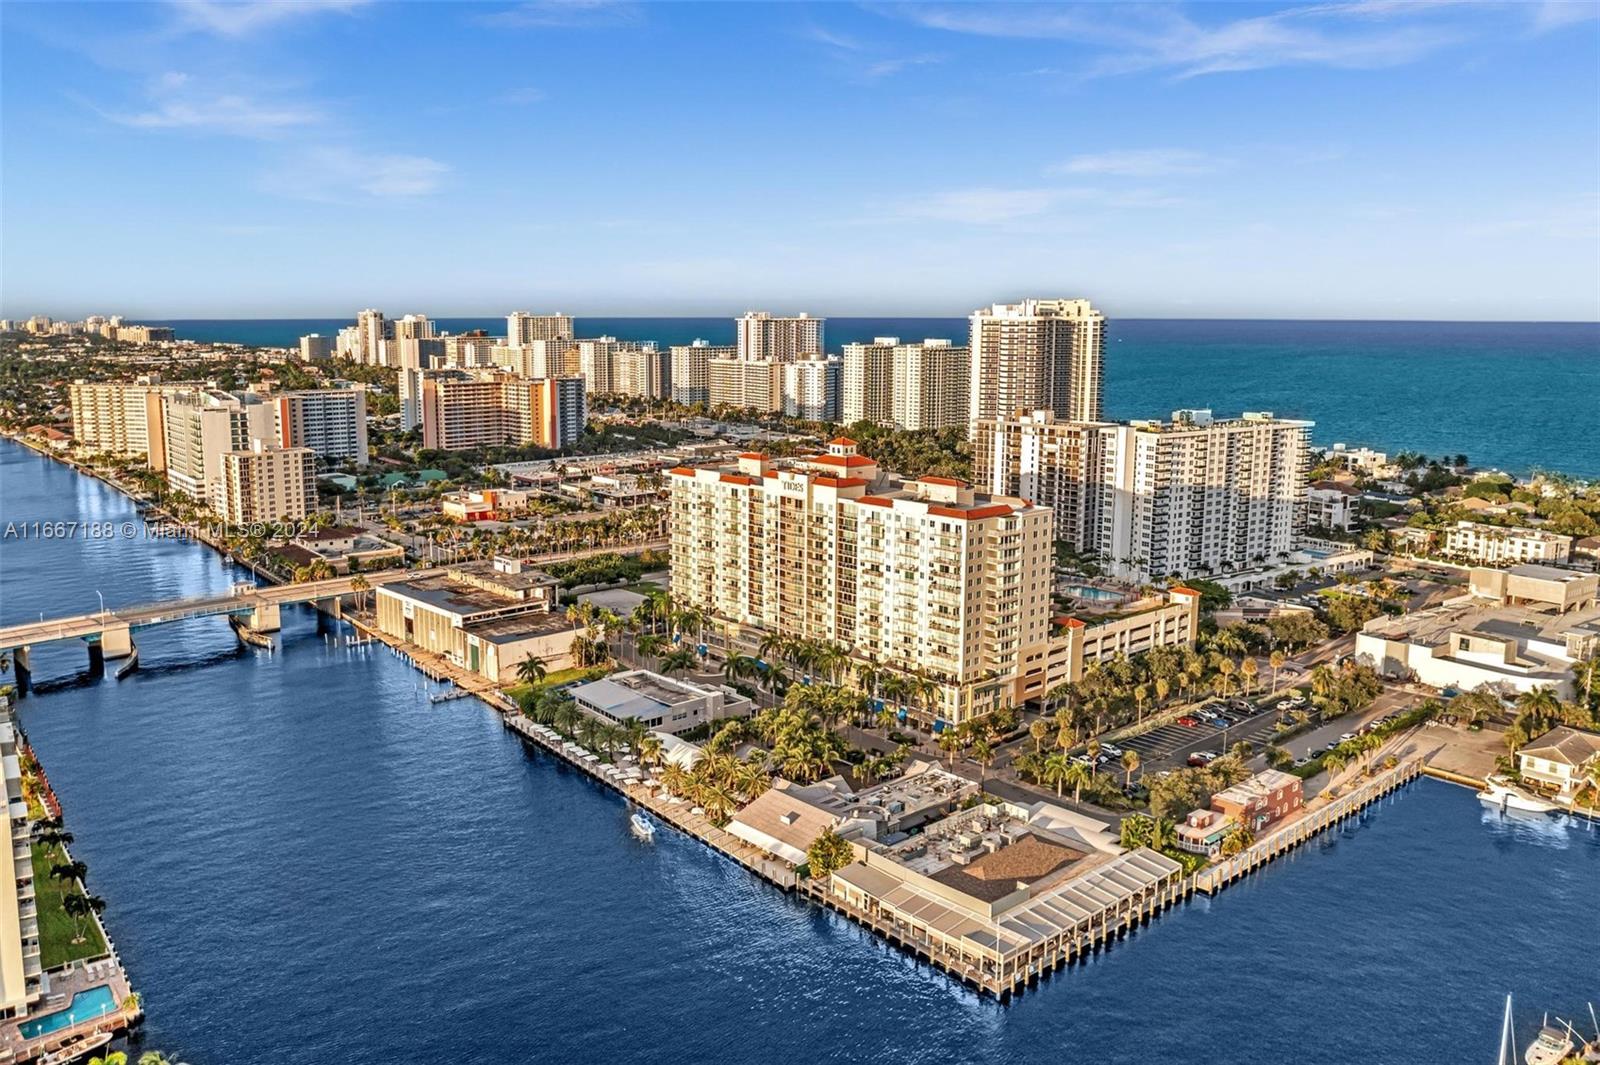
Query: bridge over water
[[109, 633]]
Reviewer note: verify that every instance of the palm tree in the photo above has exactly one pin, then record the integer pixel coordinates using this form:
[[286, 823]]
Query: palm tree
[[983, 754], [1238, 840], [1333, 762], [682, 660], [651, 749], [70, 871], [1130, 764], [1092, 749], [1276, 660], [531, 670], [1054, 771], [1077, 774], [362, 589], [1163, 833], [1040, 731], [567, 717], [1249, 669]]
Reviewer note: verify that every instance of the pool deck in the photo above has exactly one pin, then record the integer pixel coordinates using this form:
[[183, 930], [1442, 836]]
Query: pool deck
[[64, 983]]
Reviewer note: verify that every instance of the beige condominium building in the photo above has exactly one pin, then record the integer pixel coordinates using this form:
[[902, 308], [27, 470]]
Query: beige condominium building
[[121, 418], [868, 390], [1163, 620], [756, 384], [915, 385], [1037, 355], [931, 385], [761, 336], [21, 972], [1190, 497], [330, 421], [920, 577], [525, 328], [1502, 544], [483, 408], [264, 484], [557, 357], [691, 369]]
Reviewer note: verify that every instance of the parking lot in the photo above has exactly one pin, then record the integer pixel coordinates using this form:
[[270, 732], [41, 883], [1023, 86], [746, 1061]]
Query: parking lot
[[1170, 745]]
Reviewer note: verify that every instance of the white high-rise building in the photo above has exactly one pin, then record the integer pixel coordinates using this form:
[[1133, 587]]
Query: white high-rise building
[[639, 370], [752, 384], [867, 394], [200, 427], [931, 382], [372, 329], [525, 328], [924, 578], [1037, 355], [1190, 497], [691, 369], [332, 422], [22, 977], [314, 347], [761, 336], [469, 350], [811, 387]]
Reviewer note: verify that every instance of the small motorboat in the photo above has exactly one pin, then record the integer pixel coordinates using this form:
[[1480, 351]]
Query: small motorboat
[[75, 1049], [1500, 792], [642, 826]]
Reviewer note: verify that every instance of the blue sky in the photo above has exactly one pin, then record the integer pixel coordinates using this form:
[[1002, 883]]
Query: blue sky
[[1376, 159]]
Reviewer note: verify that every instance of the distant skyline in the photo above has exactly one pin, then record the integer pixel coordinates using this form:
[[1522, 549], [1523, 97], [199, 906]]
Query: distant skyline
[[1376, 159]]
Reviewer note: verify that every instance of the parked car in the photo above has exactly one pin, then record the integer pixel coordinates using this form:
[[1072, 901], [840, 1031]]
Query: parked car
[[1112, 749], [1299, 762], [1347, 737], [1187, 722]]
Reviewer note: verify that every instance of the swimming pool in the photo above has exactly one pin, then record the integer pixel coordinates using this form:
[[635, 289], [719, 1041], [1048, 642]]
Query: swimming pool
[[1090, 592], [85, 1006]]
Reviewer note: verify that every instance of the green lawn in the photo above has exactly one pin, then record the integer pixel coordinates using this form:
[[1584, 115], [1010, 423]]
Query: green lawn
[[56, 929], [553, 680]]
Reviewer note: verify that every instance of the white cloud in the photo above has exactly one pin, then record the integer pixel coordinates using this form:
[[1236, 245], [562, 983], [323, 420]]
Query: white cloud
[[344, 175], [566, 14], [1141, 163], [523, 96], [238, 116], [1377, 33], [239, 19]]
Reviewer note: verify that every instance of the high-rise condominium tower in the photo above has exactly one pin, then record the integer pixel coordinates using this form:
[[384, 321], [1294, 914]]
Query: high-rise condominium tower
[[921, 578], [525, 328], [761, 336], [1191, 497], [691, 370], [868, 391], [1037, 355]]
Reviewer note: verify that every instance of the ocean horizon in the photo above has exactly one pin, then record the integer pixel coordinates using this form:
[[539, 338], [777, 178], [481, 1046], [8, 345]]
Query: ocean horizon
[[1517, 396]]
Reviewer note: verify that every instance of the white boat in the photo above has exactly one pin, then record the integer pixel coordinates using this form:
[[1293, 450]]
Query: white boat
[[1552, 1047], [76, 1049], [1503, 794], [642, 826]]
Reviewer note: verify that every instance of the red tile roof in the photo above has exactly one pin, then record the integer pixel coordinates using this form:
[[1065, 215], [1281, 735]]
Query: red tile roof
[[843, 460], [839, 482], [996, 510], [944, 480], [753, 455], [876, 501], [841, 441], [681, 471], [736, 478]]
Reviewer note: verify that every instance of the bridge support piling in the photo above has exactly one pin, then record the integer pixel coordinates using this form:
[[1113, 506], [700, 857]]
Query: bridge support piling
[[116, 641], [97, 660], [265, 618], [21, 668]]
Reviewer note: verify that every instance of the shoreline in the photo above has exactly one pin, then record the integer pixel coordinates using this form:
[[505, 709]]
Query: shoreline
[[1210, 880]]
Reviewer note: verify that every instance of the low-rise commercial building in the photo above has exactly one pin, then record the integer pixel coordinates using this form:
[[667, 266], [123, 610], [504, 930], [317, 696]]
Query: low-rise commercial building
[[488, 617], [660, 704], [1252, 804], [1330, 505], [1513, 635], [489, 504]]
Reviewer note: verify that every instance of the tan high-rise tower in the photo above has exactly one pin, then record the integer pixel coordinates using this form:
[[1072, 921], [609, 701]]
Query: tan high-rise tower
[[1038, 355]]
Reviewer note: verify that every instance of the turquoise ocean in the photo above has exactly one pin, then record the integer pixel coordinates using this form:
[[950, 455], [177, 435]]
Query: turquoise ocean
[[1518, 396]]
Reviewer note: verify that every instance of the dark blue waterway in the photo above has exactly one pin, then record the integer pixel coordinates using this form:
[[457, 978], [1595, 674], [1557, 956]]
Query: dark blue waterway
[[1516, 395], [305, 862]]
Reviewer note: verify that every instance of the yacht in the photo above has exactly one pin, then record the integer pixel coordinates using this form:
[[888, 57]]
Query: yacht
[[76, 1049], [642, 826], [1552, 1047], [1502, 793]]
